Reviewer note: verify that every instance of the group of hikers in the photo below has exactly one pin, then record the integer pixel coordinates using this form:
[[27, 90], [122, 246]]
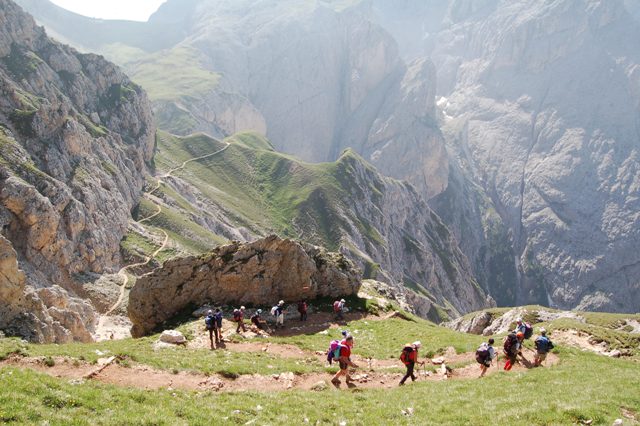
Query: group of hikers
[[213, 320], [512, 347], [340, 349]]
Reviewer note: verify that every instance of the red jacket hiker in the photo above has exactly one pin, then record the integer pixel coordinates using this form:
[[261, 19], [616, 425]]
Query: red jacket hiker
[[409, 357]]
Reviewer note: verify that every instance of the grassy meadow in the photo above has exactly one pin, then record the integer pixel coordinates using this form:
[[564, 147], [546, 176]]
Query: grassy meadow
[[582, 387]]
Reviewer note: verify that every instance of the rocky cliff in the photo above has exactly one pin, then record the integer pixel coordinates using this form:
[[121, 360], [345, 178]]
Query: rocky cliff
[[249, 190], [537, 103], [341, 84], [75, 134], [546, 115], [539, 107], [258, 273]]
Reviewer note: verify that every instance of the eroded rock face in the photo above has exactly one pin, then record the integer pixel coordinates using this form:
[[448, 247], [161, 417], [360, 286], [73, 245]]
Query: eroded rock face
[[258, 273], [547, 110], [75, 134]]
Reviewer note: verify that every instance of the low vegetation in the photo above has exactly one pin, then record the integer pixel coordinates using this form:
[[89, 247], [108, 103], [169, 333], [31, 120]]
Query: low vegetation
[[582, 388], [170, 75]]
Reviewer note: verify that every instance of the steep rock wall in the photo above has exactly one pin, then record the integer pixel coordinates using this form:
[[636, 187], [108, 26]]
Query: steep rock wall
[[75, 135]]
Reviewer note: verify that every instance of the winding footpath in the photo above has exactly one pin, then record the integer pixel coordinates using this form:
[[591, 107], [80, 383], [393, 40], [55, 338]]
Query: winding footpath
[[101, 331]]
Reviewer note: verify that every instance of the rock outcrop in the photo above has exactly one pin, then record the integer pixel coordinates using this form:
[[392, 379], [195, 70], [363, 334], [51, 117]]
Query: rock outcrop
[[258, 273], [75, 134]]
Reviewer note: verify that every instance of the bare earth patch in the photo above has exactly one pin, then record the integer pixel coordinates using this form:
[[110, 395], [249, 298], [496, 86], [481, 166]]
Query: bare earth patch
[[140, 376], [580, 340]]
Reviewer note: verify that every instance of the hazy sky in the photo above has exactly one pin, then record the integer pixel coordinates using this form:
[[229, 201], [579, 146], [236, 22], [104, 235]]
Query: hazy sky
[[135, 10]]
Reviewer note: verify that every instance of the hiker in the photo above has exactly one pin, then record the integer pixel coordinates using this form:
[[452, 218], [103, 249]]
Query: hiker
[[543, 346], [409, 357], [238, 316], [485, 355], [257, 320], [344, 361], [511, 348], [520, 327], [210, 324], [302, 309], [338, 309], [217, 315], [278, 312]]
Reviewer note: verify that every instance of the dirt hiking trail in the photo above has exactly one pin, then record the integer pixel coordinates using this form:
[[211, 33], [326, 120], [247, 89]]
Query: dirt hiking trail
[[368, 376], [117, 326]]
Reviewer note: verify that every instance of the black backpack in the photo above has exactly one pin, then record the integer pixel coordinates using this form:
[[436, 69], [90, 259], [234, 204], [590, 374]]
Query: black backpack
[[543, 344], [510, 343], [482, 354], [528, 330]]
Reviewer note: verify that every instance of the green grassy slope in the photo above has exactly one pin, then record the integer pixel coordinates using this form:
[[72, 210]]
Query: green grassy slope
[[581, 387], [259, 188], [168, 75]]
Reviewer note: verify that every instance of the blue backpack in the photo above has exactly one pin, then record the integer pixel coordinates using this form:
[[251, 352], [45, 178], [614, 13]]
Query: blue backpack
[[543, 344], [209, 321]]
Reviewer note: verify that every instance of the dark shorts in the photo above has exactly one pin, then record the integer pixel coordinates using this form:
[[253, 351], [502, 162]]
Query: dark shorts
[[343, 365]]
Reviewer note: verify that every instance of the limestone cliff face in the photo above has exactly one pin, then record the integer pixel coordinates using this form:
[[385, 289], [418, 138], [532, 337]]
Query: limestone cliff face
[[258, 273], [75, 135], [546, 110], [410, 243], [341, 83], [539, 106]]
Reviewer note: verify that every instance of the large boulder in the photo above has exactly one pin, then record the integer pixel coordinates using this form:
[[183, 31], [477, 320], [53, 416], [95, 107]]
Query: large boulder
[[257, 273]]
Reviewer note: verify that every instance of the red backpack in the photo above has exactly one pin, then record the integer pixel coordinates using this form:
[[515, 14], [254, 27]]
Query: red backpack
[[405, 355], [336, 306]]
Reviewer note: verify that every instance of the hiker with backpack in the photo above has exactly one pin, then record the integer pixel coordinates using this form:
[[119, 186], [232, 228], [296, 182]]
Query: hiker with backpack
[[257, 320], [524, 327], [543, 346], [409, 356], [238, 316], [278, 312], [343, 354], [210, 324], [511, 348], [339, 308], [302, 309], [485, 355], [217, 316]]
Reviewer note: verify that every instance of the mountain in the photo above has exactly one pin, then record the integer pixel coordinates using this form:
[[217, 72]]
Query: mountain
[[545, 114], [346, 88], [75, 134], [242, 189], [517, 121]]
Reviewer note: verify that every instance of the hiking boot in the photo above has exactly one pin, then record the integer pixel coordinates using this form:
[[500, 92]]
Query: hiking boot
[[335, 381]]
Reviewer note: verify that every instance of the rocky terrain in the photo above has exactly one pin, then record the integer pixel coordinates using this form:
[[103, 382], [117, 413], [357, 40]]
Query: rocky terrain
[[248, 190], [545, 114], [258, 273], [75, 134], [517, 121]]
